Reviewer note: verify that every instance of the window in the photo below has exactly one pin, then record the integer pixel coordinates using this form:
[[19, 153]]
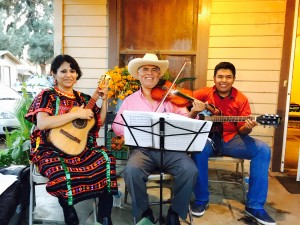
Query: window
[[6, 76], [168, 26]]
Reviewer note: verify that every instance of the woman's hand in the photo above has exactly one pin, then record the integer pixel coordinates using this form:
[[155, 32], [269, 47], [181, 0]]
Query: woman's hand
[[82, 113], [45, 121], [103, 93]]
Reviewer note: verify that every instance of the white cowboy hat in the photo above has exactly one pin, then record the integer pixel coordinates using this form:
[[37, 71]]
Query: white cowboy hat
[[148, 59]]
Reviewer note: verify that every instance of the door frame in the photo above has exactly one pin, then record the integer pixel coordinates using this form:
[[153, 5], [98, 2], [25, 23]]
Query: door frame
[[284, 89]]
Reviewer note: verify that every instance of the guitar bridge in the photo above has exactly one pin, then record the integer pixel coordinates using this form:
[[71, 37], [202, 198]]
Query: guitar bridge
[[70, 136]]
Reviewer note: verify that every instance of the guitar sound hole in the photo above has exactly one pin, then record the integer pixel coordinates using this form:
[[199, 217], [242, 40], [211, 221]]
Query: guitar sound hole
[[79, 123]]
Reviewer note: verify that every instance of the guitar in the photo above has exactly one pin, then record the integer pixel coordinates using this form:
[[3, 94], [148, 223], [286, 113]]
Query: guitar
[[216, 132], [71, 138]]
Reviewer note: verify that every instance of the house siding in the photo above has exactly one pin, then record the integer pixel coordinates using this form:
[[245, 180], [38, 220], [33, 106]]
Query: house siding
[[85, 37], [250, 35]]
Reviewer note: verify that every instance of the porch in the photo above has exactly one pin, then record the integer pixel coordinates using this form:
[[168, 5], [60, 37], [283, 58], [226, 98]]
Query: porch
[[226, 205]]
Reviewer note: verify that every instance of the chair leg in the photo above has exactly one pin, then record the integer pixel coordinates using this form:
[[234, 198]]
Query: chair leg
[[243, 180], [125, 195], [191, 215], [236, 171], [31, 198], [30, 207], [95, 209]]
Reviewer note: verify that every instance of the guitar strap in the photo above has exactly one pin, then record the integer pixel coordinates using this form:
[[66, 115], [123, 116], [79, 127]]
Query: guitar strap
[[78, 99]]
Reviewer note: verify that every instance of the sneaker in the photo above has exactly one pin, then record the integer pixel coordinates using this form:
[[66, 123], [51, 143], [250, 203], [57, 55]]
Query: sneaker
[[198, 209], [149, 215], [261, 216]]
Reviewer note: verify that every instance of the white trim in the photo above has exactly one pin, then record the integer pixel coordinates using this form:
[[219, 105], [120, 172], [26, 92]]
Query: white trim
[[289, 85], [298, 171], [58, 26]]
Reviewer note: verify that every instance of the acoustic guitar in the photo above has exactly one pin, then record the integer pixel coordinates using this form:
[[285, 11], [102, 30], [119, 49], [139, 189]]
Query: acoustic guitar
[[216, 132], [71, 138]]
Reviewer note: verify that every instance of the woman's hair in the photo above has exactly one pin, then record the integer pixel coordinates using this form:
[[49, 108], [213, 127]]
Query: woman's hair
[[60, 59], [225, 65]]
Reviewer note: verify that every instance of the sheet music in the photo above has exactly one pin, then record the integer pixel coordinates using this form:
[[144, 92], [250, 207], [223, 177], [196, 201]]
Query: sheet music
[[134, 118], [183, 129]]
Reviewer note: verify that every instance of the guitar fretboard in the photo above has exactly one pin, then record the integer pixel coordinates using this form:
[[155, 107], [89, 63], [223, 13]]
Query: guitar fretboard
[[92, 101], [229, 118], [103, 82]]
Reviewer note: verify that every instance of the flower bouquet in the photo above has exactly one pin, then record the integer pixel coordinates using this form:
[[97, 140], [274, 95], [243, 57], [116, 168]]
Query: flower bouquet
[[121, 84]]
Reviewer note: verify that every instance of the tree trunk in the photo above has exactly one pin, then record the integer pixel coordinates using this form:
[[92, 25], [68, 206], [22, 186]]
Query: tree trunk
[[43, 68]]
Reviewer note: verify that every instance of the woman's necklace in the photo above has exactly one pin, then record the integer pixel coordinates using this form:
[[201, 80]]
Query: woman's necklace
[[64, 93]]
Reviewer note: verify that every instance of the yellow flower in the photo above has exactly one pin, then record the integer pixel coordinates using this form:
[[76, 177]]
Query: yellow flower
[[121, 83]]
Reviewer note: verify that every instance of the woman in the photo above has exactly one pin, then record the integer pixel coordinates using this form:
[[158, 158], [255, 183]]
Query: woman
[[72, 178]]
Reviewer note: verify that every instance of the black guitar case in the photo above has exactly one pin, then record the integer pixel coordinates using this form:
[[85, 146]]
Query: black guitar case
[[15, 199]]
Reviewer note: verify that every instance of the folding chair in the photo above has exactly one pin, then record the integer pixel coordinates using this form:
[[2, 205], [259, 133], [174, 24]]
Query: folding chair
[[37, 179]]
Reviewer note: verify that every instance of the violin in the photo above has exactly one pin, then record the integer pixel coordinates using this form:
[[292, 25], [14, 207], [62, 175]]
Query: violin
[[166, 90], [180, 97]]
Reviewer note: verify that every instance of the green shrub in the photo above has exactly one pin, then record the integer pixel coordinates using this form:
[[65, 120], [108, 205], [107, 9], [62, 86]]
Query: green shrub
[[18, 141]]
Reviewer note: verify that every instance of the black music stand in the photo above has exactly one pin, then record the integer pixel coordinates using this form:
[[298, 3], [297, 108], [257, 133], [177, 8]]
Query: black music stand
[[162, 137]]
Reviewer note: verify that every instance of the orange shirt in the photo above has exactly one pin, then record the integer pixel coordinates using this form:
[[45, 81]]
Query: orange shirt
[[236, 104]]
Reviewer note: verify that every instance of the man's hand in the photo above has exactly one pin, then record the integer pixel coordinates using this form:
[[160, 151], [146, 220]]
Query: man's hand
[[197, 107], [247, 127]]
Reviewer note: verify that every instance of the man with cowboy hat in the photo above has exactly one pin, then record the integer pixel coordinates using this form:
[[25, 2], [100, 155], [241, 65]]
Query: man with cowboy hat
[[142, 162]]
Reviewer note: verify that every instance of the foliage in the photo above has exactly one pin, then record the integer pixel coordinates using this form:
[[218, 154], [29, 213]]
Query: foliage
[[12, 38], [167, 74], [121, 83], [17, 141], [27, 23], [41, 44]]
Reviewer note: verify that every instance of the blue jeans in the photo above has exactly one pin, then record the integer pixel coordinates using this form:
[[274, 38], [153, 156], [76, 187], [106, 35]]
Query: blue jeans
[[244, 147]]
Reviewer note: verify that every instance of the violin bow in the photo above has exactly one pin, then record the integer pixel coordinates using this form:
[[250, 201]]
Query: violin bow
[[173, 83]]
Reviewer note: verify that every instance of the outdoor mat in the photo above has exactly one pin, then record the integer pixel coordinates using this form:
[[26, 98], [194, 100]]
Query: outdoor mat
[[290, 184]]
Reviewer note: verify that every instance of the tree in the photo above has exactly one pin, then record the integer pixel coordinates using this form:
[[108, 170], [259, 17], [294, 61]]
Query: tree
[[41, 44], [12, 38], [27, 22]]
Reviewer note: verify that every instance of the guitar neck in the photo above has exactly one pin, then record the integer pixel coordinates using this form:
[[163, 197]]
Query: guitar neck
[[266, 119], [93, 100], [229, 118]]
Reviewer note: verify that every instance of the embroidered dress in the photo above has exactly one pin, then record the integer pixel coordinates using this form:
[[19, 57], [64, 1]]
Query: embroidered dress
[[72, 178]]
